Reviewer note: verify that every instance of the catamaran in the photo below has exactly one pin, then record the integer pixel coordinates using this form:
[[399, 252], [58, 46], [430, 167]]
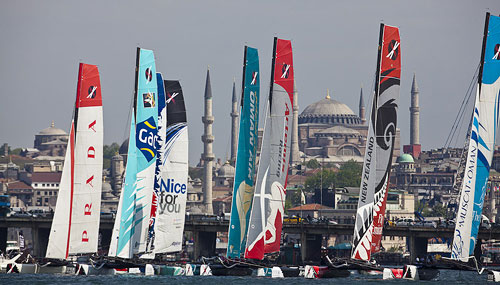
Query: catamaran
[[243, 188], [75, 226], [379, 151], [481, 143], [131, 228], [166, 225], [266, 219], [379, 147]]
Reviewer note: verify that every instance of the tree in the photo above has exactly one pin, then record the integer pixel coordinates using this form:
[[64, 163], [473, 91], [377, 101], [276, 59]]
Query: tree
[[313, 164], [324, 179], [108, 151], [349, 174]]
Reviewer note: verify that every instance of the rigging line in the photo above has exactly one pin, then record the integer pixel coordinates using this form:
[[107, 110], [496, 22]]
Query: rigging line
[[461, 109], [462, 114]]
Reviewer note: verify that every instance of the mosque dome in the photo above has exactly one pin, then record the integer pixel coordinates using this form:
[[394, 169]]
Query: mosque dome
[[405, 158], [52, 131], [329, 111], [226, 170]]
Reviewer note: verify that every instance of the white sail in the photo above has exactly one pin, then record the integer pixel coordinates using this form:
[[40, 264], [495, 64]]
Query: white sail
[[171, 202], [58, 237], [481, 144]]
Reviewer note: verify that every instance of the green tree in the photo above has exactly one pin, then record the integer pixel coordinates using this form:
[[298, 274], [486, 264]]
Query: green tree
[[324, 179], [108, 151], [313, 164], [16, 151], [349, 174]]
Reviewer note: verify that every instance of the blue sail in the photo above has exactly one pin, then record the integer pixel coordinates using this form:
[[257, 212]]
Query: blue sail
[[481, 144], [245, 159], [141, 160]]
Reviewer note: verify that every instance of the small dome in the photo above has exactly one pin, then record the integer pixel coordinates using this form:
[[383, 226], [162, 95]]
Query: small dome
[[106, 187], [124, 147], [226, 170], [327, 106], [405, 158], [52, 131]]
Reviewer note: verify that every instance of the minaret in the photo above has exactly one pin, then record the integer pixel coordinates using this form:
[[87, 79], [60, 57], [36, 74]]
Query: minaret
[[362, 107], [234, 125], [414, 114], [414, 148], [295, 159], [208, 140]]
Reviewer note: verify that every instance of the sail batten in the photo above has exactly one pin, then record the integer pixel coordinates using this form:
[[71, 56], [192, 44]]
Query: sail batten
[[481, 144], [243, 188]]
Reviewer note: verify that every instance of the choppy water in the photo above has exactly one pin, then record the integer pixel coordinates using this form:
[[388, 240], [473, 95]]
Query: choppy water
[[445, 277]]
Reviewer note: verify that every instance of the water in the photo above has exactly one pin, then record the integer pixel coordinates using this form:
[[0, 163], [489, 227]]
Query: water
[[445, 277]]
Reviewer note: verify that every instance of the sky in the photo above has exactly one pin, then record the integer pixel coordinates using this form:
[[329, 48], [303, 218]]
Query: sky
[[334, 46]]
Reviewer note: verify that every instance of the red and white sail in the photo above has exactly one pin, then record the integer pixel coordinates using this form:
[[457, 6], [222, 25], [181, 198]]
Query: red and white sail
[[266, 220], [75, 226], [379, 147]]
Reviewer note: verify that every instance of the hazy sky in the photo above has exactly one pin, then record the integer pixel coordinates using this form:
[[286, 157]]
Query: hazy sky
[[334, 45]]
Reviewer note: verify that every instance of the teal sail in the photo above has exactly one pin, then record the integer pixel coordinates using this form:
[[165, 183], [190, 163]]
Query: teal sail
[[136, 196], [245, 159]]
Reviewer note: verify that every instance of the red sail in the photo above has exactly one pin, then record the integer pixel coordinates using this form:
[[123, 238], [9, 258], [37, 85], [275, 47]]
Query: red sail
[[388, 97], [283, 78], [89, 86]]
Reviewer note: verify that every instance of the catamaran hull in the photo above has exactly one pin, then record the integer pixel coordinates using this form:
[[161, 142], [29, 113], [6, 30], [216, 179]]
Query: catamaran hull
[[238, 270], [22, 268], [87, 269], [53, 269]]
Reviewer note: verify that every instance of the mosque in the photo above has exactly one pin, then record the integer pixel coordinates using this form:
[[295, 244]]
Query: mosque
[[330, 132]]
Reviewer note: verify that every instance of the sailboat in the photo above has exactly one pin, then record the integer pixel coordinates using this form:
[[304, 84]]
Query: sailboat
[[379, 152], [379, 147], [481, 143], [131, 228], [75, 226], [166, 225], [266, 219], [244, 178], [243, 188]]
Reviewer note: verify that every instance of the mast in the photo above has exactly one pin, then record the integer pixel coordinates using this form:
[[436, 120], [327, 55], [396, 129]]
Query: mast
[[243, 189]]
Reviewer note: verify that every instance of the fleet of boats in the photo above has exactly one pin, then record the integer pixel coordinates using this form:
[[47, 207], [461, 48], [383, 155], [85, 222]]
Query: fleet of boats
[[151, 210]]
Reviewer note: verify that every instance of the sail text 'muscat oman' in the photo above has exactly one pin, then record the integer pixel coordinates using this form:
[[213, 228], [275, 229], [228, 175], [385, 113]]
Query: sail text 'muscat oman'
[[366, 173], [251, 138], [464, 203]]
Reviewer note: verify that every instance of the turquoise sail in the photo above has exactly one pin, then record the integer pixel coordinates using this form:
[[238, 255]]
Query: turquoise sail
[[245, 158], [481, 144], [141, 160]]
